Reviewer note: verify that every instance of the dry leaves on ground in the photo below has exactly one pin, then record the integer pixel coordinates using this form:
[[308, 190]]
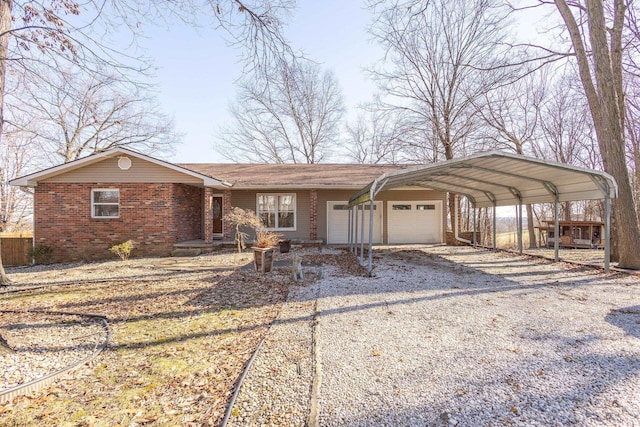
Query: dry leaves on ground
[[182, 332], [180, 340]]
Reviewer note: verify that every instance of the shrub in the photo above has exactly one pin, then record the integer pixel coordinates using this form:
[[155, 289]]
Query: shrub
[[123, 250], [266, 239], [41, 254], [241, 218]]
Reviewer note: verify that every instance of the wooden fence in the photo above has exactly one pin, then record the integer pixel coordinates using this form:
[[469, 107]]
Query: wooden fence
[[15, 251]]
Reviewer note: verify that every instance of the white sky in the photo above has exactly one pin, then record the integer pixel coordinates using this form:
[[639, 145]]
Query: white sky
[[197, 69]]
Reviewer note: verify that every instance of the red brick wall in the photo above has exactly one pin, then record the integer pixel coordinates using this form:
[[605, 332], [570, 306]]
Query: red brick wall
[[154, 216], [313, 214], [228, 233], [188, 210]]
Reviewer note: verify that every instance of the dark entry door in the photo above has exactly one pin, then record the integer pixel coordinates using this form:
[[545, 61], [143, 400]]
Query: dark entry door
[[217, 215]]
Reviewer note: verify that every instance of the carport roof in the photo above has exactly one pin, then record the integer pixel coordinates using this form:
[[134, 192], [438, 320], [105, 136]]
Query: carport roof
[[500, 179]]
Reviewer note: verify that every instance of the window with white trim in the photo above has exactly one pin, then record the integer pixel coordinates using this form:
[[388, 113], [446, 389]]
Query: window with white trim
[[277, 211], [105, 203]]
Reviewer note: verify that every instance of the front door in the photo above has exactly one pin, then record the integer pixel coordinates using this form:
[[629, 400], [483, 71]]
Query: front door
[[217, 215]]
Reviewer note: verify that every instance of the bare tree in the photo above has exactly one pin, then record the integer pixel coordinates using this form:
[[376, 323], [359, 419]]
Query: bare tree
[[598, 46], [55, 34], [377, 137], [291, 117], [633, 142], [15, 203], [437, 56], [512, 117], [72, 115]]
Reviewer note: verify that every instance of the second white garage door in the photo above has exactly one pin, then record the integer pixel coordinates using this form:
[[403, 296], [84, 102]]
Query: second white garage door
[[415, 221]]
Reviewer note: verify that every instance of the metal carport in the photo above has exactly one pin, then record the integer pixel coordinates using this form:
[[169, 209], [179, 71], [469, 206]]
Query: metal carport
[[493, 179]]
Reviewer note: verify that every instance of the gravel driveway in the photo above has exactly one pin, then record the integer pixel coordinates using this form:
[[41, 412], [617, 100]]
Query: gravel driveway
[[455, 336]]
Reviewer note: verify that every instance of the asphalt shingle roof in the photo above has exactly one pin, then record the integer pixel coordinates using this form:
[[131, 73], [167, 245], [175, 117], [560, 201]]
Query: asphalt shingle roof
[[293, 175]]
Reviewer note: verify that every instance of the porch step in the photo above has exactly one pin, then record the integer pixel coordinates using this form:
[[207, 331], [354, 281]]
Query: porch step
[[197, 247]]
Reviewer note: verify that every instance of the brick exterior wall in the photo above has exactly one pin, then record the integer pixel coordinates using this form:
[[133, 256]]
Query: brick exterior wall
[[313, 214], [208, 214], [187, 212], [226, 208], [155, 216]]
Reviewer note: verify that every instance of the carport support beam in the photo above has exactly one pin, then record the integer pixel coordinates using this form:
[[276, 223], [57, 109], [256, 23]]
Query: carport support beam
[[355, 230], [494, 227], [556, 229], [475, 226], [519, 219], [370, 268], [349, 232], [607, 231], [362, 233]]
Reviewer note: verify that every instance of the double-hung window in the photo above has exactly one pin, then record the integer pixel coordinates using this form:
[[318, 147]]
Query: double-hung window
[[277, 211], [105, 203]]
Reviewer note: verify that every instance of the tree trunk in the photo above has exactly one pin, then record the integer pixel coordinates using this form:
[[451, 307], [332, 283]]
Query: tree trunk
[[605, 100], [5, 26]]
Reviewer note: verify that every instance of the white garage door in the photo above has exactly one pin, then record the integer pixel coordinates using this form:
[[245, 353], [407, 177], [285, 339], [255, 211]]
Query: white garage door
[[415, 221], [338, 222]]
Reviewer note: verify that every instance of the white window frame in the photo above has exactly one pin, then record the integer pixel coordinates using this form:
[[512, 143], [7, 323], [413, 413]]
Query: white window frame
[[295, 210], [93, 203]]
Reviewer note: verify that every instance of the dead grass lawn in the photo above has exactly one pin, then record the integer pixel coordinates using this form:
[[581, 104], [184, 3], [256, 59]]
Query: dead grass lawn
[[180, 340]]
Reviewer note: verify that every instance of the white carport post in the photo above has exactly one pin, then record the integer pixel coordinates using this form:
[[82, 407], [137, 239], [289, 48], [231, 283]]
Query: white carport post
[[607, 231], [349, 231], [556, 228], [518, 196], [362, 233], [495, 235], [475, 226], [520, 227], [370, 235], [606, 191], [355, 230]]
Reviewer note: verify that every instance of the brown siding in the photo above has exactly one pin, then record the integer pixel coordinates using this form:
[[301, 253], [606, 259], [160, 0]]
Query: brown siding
[[140, 171], [154, 216], [247, 199]]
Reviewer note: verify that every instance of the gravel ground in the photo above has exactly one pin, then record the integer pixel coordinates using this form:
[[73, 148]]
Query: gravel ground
[[44, 343], [439, 336], [457, 336], [276, 389]]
